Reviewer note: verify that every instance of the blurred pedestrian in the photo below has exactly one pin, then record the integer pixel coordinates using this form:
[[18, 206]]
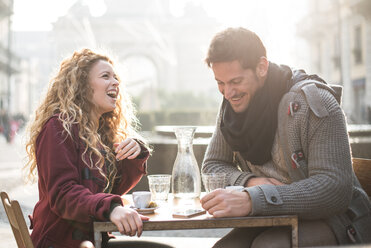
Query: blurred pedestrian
[[5, 125]]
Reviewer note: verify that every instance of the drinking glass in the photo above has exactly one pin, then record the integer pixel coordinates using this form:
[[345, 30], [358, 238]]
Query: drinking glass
[[159, 185], [213, 181]]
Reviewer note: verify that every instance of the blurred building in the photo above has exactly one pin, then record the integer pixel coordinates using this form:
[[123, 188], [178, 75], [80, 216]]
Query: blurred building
[[338, 33], [157, 50], [35, 70], [9, 62]]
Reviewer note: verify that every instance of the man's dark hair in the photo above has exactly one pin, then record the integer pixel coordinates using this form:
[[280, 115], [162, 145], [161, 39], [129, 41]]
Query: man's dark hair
[[236, 44]]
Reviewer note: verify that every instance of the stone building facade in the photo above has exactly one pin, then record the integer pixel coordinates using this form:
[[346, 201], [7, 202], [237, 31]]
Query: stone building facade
[[338, 33], [156, 49], [9, 62]]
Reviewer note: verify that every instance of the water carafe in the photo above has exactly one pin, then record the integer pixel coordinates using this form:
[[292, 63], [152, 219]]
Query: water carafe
[[186, 181]]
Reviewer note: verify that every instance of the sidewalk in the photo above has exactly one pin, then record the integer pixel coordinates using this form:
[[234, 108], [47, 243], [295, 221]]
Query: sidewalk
[[11, 157]]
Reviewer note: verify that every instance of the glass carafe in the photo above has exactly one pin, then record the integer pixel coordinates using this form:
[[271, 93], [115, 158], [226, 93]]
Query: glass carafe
[[186, 181]]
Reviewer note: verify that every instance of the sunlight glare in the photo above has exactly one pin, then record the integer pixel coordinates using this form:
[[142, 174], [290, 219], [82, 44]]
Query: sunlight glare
[[38, 15], [274, 21], [97, 7]]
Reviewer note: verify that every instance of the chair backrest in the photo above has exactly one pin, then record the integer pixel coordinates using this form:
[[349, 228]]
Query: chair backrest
[[362, 169], [17, 222]]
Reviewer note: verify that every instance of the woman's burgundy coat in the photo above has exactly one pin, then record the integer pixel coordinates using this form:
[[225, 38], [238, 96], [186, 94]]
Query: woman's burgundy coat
[[70, 193]]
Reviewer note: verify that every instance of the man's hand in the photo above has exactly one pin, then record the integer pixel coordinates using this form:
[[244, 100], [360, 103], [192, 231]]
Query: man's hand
[[227, 203], [128, 148], [128, 221], [254, 181]]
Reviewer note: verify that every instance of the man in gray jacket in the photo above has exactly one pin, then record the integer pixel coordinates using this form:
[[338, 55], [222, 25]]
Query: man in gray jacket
[[282, 135]]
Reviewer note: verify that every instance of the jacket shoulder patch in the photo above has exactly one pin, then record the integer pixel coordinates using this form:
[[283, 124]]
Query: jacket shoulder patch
[[314, 101]]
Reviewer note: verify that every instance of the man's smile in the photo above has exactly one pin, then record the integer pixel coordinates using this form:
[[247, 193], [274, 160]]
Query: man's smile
[[236, 99]]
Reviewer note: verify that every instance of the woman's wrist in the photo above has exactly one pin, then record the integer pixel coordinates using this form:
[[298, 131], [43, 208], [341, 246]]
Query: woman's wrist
[[112, 207]]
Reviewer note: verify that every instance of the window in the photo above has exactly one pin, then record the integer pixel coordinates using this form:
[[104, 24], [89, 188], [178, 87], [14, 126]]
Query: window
[[336, 58], [319, 57], [359, 114], [357, 50]]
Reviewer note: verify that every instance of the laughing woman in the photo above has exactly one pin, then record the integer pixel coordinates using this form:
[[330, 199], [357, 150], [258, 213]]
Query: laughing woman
[[84, 148]]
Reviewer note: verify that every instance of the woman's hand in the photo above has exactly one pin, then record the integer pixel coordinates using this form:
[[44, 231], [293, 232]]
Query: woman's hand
[[128, 148], [128, 221]]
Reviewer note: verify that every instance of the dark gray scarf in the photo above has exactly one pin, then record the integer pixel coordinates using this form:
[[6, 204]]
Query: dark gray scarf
[[252, 131]]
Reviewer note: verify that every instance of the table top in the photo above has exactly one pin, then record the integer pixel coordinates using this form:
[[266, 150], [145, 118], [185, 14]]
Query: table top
[[162, 218], [165, 209]]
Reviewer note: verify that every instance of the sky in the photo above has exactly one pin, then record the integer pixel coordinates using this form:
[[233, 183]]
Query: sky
[[38, 15], [275, 21]]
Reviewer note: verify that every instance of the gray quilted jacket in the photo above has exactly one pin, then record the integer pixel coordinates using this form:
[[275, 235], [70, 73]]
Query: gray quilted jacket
[[312, 135]]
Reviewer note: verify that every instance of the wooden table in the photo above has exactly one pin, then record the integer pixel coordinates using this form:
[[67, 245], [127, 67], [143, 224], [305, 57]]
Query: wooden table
[[162, 220]]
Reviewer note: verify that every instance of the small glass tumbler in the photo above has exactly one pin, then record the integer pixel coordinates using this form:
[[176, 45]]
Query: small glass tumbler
[[213, 181], [159, 185]]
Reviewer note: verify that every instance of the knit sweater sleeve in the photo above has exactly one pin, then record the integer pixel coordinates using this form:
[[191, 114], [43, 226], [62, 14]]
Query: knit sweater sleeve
[[327, 189], [219, 157]]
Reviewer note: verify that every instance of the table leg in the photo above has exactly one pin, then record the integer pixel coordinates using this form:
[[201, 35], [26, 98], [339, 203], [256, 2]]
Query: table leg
[[98, 239], [294, 233]]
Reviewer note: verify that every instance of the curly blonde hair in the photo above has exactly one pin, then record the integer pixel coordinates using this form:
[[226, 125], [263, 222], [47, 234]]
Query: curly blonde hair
[[69, 95]]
